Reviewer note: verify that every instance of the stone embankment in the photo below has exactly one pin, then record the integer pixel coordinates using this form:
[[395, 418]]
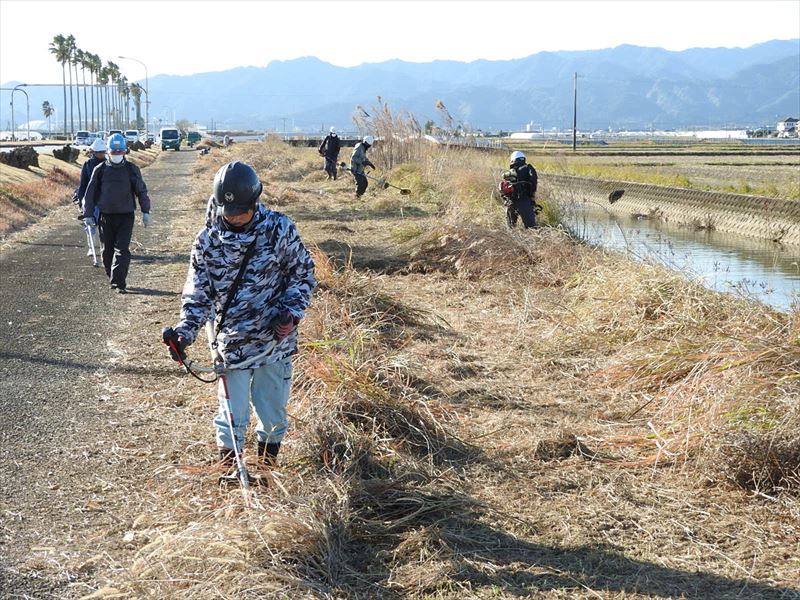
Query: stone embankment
[[751, 216]]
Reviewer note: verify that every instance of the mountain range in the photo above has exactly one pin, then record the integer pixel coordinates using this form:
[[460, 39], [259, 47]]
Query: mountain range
[[626, 87]]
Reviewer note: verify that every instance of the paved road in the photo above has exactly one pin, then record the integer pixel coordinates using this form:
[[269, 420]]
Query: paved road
[[56, 312]]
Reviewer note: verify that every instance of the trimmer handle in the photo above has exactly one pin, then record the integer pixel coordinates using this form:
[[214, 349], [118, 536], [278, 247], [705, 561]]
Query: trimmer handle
[[173, 341]]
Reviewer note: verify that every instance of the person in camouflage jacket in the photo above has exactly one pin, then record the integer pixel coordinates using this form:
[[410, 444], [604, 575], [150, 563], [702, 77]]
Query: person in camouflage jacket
[[259, 333]]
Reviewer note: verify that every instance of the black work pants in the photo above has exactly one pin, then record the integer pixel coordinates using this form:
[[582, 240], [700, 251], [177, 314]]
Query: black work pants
[[330, 166], [115, 234], [361, 184], [521, 208]]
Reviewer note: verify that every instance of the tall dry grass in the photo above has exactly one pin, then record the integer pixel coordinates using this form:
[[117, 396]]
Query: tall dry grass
[[699, 373], [398, 135], [370, 474], [716, 375]]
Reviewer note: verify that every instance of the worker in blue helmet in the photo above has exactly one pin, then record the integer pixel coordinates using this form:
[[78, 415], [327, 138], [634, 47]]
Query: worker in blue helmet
[[114, 187]]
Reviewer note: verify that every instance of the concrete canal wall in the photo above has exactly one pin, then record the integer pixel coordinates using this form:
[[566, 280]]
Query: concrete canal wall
[[750, 216]]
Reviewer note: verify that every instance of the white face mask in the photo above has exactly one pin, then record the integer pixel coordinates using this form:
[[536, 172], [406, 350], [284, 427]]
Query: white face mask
[[116, 158]]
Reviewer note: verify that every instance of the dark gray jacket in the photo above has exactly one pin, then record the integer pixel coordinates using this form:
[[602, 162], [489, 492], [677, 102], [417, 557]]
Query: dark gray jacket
[[86, 174], [359, 160], [113, 188]]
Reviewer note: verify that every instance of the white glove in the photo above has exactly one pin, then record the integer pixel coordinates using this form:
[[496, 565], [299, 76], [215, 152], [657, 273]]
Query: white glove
[[145, 219], [90, 222]]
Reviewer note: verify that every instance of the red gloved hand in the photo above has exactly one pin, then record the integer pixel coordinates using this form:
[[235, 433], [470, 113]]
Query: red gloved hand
[[174, 341]]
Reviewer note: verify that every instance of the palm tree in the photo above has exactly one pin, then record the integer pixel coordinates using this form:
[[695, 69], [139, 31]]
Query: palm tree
[[102, 79], [90, 67], [113, 75], [80, 60], [59, 48], [74, 62], [70, 42], [136, 92], [122, 90], [47, 111], [95, 64]]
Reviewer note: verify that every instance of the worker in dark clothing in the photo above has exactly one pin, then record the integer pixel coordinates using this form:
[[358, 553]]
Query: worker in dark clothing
[[330, 150], [98, 156], [518, 189], [359, 161], [98, 149], [114, 186]]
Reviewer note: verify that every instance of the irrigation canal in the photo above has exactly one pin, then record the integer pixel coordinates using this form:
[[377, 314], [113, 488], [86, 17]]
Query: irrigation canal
[[761, 270]]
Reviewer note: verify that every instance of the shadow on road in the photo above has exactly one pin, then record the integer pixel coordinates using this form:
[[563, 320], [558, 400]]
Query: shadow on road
[[87, 366], [51, 245], [150, 292], [160, 258]]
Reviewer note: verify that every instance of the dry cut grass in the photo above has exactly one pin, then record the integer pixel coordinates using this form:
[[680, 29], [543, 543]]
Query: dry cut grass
[[705, 377], [23, 203], [371, 497], [371, 475]]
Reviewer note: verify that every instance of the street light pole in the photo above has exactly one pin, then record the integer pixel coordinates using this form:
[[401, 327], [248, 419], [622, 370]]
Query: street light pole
[[147, 91], [575, 113], [27, 110]]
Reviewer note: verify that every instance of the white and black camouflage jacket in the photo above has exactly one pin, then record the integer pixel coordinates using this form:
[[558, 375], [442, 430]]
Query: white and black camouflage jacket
[[278, 277]]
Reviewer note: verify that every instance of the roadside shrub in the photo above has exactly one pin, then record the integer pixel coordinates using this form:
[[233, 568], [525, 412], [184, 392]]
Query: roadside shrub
[[23, 157], [67, 153]]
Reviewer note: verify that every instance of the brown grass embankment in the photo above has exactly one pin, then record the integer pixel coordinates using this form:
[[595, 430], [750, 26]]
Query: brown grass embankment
[[26, 195]]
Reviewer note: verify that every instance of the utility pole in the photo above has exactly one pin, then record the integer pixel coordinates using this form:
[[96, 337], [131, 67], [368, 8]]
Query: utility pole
[[575, 113]]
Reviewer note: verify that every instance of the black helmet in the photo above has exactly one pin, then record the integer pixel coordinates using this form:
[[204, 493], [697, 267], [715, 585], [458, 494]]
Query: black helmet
[[236, 188]]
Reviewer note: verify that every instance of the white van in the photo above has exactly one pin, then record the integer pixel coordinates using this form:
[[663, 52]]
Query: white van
[[169, 138], [131, 135], [82, 138]]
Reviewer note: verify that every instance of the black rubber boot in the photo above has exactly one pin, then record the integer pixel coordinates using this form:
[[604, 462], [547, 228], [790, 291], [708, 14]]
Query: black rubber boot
[[268, 453]]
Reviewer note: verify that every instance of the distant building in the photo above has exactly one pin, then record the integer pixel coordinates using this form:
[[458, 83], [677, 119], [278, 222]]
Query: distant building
[[787, 127]]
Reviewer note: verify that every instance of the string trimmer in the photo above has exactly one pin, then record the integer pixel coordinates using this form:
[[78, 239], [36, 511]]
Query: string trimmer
[[90, 243], [89, 230], [381, 182], [218, 372]]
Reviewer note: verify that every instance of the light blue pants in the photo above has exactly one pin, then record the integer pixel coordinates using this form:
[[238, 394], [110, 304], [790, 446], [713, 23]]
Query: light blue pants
[[268, 387]]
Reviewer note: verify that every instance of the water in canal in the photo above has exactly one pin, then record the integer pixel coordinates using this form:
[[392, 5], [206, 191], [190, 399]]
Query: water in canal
[[766, 271]]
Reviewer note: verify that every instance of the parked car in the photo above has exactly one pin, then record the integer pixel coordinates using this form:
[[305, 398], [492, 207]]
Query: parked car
[[82, 139], [192, 138], [170, 138], [112, 132]]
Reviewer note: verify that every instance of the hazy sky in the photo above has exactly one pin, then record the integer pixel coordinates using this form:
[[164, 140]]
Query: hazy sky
[[187, 37]]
